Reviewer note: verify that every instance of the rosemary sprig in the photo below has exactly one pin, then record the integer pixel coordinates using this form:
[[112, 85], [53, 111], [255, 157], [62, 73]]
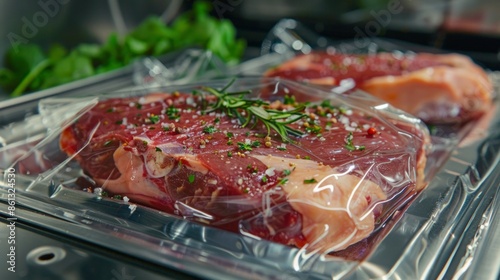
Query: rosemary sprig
[[234, 103]]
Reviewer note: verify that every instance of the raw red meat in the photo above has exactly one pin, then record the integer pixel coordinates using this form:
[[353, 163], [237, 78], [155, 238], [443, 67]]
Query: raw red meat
[[325, 190], [438, 88]]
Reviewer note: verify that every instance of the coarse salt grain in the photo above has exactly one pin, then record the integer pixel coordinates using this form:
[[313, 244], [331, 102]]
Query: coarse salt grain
[[270, 171], [212, 181], [344, 119]]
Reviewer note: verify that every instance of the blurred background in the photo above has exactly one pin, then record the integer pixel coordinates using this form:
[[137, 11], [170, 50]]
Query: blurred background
[[467, 26]]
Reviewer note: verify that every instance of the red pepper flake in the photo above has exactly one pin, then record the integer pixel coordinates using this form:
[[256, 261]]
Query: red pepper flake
[[371, 131]]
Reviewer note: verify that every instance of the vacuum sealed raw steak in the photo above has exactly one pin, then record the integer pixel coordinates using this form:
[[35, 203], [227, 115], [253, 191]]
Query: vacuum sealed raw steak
[[438, 88], [320, 175]]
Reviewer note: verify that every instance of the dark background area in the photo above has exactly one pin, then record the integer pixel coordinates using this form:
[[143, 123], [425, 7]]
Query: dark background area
[[466, 26]]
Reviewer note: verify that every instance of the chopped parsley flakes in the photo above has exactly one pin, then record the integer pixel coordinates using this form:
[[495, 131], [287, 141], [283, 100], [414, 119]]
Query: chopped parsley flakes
[[209, 129], [283, 181], [310, 181], [172, 113], [154, 118], [107, 143], [244, 147], [191, 178], [264, 179]]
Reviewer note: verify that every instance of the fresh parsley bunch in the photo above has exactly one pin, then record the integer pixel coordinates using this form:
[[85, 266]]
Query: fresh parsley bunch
[[28, 68]]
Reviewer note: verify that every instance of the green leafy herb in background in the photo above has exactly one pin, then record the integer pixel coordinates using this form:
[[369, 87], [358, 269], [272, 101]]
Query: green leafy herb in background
[[29, 68]]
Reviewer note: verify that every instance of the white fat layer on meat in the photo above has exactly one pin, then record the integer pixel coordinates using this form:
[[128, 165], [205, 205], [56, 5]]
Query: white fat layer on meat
[[131, 183], [334, 199]]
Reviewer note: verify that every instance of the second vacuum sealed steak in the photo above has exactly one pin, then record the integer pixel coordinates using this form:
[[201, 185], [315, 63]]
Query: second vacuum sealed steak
[[438, 88], [321, 174]]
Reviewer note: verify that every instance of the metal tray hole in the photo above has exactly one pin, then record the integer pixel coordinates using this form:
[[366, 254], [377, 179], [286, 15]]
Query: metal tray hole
[[46, 255]]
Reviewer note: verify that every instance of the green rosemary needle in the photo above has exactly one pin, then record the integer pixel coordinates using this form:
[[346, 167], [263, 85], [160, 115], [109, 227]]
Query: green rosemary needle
[[234, 103]]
